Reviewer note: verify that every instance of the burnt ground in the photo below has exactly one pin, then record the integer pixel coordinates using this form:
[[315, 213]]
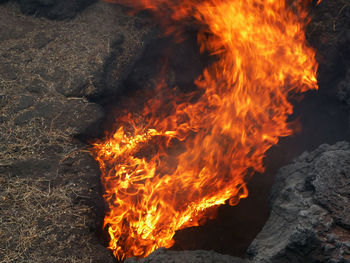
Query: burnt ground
[[54, 77], [50, 201]]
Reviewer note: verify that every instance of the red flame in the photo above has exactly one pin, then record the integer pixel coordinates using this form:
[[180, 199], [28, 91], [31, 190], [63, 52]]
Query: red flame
[[153, 190]]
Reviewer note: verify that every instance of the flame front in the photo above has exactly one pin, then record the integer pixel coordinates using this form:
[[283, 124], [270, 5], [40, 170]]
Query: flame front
[[164, 166]]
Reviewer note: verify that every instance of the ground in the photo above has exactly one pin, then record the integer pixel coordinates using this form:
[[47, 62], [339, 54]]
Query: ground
[[50, 194]]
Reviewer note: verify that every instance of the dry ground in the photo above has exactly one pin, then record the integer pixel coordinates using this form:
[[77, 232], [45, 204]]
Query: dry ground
[[49, 186]]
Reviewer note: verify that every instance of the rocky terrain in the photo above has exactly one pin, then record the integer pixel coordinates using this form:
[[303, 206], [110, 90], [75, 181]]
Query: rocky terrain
[[53, 9], [50, 197], [54, 77], [309, 220], [310, 210]]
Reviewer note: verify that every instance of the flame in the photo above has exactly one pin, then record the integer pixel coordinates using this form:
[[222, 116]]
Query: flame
[[165, 165]]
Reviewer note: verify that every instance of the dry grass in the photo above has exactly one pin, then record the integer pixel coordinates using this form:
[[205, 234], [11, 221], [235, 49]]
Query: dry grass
[[48, 184], [34, 218]]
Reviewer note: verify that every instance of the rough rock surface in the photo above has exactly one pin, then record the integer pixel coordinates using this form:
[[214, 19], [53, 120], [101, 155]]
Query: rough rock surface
[[344, 91], [199, 256], [53, 9], [310, 215]]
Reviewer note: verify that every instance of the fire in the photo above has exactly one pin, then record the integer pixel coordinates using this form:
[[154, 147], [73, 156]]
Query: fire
[[165, 165]]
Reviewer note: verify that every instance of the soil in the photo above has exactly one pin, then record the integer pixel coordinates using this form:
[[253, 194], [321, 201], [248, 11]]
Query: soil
[[50, 196]]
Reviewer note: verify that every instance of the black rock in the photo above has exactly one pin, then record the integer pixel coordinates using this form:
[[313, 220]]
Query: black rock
[[54, 9], [344, 89], [25, 102], [310, 201], [199, 256], [309, 220]]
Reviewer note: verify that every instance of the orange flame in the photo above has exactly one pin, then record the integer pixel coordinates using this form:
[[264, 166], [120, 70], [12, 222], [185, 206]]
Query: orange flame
[[152, 186]]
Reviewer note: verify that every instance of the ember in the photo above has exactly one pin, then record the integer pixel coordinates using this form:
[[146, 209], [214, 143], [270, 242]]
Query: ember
[[164, 166]]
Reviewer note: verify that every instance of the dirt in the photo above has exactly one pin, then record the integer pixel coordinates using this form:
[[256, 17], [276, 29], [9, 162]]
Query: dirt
[[50, 196]]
